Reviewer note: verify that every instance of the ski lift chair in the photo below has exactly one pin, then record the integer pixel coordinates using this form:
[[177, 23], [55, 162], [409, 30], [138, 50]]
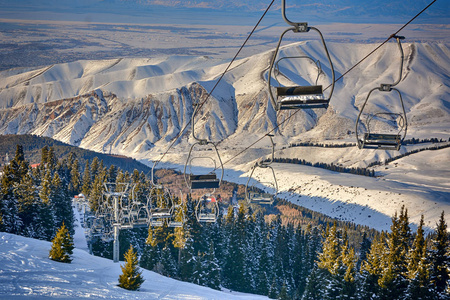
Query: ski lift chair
[[207, 209], [260, 197], [299, 97], [256, 196], [178, 216], [175, 224], [251, 193], [141, 218], [156, 222], [97, 228], [159, 206], [202, 181], [393, 139]]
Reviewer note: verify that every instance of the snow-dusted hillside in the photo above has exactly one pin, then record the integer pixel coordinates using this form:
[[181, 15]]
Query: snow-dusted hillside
[[138, 102], [26, 272], [137, 106]]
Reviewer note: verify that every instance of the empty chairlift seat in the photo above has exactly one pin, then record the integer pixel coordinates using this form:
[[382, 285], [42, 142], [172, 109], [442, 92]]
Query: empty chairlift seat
[[300, 97], [262, 198], [382, 141]]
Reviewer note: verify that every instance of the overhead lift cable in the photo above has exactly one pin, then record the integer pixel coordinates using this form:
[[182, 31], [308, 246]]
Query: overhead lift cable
[[200, 105], [345, 73], [382, 44]]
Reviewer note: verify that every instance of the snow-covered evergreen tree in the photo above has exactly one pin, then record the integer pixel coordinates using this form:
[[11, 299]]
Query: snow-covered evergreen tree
[[440, 259], [212, 269], [371, 269], [61, 202], [167, 265], [28, 204], [392, 281], [315, 285]]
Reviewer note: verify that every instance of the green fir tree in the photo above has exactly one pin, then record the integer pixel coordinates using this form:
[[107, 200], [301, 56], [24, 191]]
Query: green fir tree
[[131, 277], [62, 246]]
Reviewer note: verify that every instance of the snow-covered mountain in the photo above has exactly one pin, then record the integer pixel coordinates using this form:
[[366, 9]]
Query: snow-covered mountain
[[137, 106], [129, 105]]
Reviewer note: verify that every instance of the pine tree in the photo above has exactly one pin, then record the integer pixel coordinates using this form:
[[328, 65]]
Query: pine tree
[[75, 178], [347, 272], [112, 174], [211, 265], [51, 159], [168, 266], [87, 182], [46, 210], [94, 168], [235, 265], [392, 281], [372, 268], [198, 272], [131, 277], [264, 270], [329, 257], [273, 290], [283, 295], [419, 287], [44, 155], [96, 192], [300, 269], [62, 246], [28, 206], [440, 259], [150, 257], [363, 250], [62, 203], [314, 289], [12, 176], [416, 254], [187, 260]]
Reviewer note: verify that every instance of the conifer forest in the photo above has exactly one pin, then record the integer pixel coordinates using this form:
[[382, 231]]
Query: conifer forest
[[245, 250]]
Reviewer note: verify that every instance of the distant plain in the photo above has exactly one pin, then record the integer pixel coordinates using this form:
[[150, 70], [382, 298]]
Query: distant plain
[[33, 43]]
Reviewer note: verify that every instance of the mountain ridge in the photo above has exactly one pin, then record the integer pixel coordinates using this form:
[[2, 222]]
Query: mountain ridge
[[138, 105]]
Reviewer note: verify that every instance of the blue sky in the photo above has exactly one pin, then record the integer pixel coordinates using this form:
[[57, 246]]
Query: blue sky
[[228, 12]]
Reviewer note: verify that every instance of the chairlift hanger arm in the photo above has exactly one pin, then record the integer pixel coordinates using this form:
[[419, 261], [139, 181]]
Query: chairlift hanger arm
[[272, 62], [247, 197], [298, 27]]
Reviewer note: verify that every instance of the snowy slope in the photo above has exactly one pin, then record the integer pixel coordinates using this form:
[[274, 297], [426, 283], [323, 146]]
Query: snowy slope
[[26, 272]]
